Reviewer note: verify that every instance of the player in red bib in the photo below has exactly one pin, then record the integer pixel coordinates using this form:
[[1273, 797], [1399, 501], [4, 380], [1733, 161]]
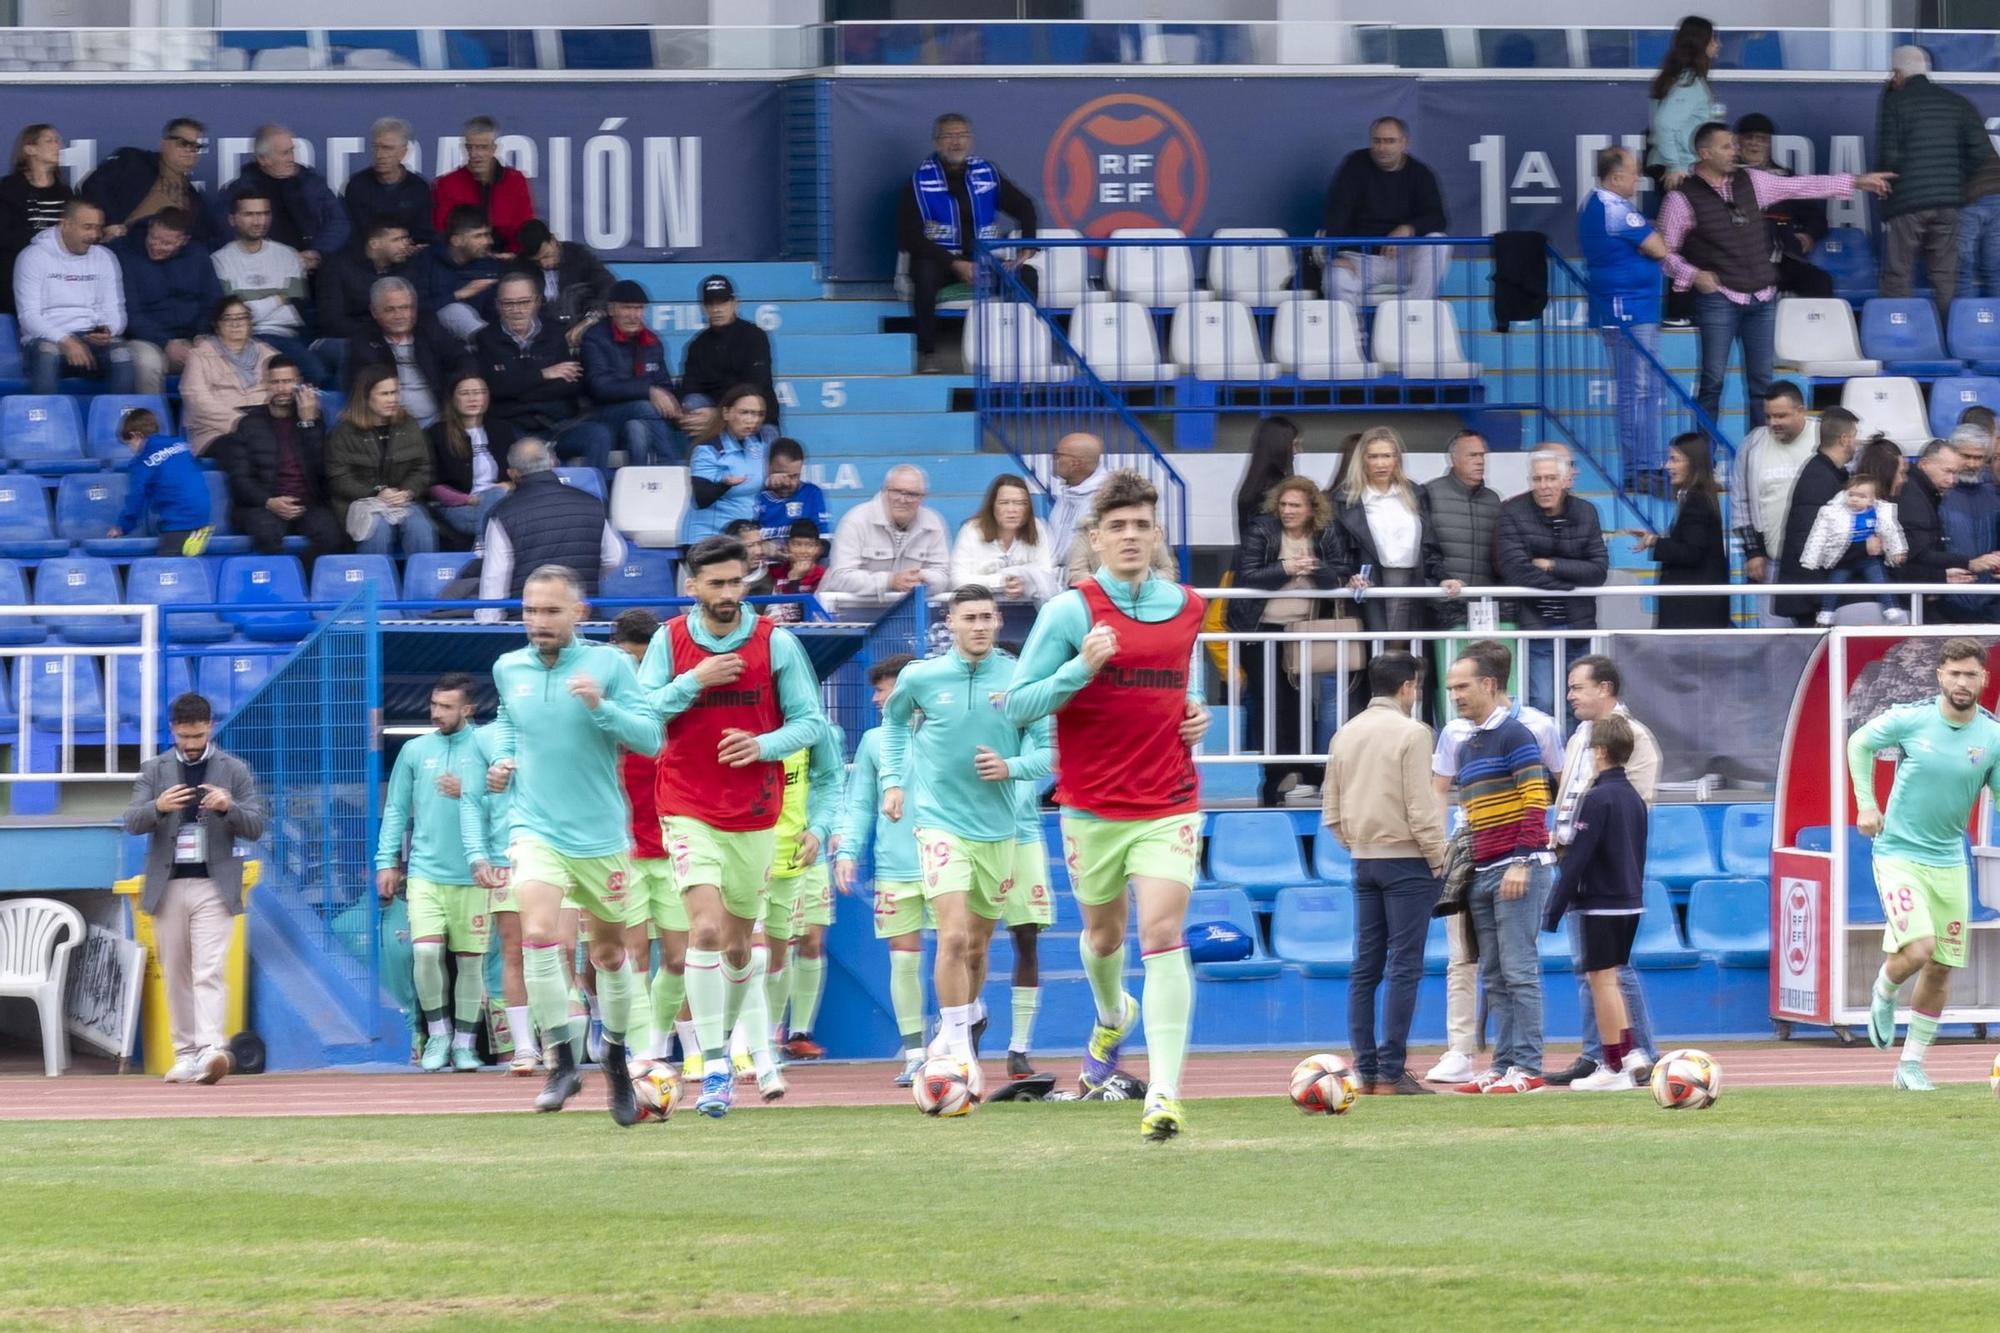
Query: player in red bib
[[1114, 660]]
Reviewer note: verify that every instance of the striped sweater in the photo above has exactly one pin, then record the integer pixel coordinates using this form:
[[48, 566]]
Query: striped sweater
[[1504, 788]]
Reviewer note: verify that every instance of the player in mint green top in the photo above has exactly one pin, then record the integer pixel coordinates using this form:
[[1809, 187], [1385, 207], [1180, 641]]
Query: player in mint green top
[[484, 816], [435, 774], [566, 705], [1030, 909], [1950, 751], [795, 961]]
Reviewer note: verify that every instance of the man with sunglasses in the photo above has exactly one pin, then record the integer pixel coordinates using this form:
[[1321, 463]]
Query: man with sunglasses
[[135, 183], [1720, 244]]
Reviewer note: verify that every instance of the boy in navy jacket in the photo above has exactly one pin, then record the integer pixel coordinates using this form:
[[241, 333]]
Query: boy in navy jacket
[[166, 478]]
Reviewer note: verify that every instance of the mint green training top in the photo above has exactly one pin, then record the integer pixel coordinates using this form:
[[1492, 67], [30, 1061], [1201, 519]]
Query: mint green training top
[[963, 703], [484, 822], [1944, 765], [791, 673], [863, 825], [566, 788], [415, 806]]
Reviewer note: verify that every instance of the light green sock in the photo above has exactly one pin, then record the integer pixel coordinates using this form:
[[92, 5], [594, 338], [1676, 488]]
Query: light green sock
[[706, 996], [617, 1002], [736, 986], [1027, 1003], [748, 993], [906, 995], [808, 976], [1885, 989], [548, 999], [469, 994], [1917, 1041], [669, 989], [1107, 980], [777, 990], [1169, 1013], [428, 964]]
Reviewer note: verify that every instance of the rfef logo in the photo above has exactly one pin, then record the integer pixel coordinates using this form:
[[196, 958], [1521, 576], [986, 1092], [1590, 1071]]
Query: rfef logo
[[1124, 160]]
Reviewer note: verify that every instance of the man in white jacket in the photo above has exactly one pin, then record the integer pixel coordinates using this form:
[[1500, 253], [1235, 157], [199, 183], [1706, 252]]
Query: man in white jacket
[[71, 299], [890, 544]]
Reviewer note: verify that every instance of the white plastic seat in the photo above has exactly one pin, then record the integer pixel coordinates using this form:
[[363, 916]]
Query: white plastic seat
[[1152, 275], [1010, 343], [1891, 405], [1116, 340], [1818, 339], [1217, 340], [36, 936], [1065, 270], [1419, 340], [647, 503], [1257, 275], [1319, 340]]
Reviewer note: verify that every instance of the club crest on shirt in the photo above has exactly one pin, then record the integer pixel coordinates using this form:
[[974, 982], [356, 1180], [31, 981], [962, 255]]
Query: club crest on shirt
[[524, 688], [997, 698], [944, 698], [1975, 752]]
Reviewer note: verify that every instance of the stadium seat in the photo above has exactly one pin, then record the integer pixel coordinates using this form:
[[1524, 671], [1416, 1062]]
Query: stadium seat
[[428, 575], [1332, 864], [40, 433], [1232, 905], [17, 631], [1817, 339], [1158, 276], [128, 693], [100, 424], [1890, 405], [45, 694], [1552, 947], [1255, 850], [1011, 343], [166, 581], [228, 682], [1116, 340], [10, 707], [1437, 947], [1257, 275], [1730, 920], [643, 574], [335, 578], [648, 503], [268, 588], [1902, 333], [1746, 841], [83, 580], [1419, 340], [1065, 270], [1972, 333], [1677, 846], [87, 504], [1658, 944], [1864, 905], [1847, 255], [1319, 340], [224, 539], [1952, 394], [25, 530], [583, 478], [13, 377], [1217, 340], [1314, 929]]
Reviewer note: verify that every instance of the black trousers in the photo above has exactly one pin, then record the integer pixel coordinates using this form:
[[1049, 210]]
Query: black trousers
[[267, 531], [928, 277]]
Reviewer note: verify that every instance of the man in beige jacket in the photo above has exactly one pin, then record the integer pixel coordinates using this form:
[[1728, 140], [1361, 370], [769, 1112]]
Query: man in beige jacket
[[1381, 805]]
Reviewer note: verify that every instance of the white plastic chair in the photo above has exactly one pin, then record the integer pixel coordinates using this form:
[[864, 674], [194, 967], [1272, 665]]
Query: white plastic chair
[[36, 935], [647, 503], [1891, 405], [1217, 340], [1065, 270], [1319, 340], [1011, 344], [1152, 275], [1818, 339], [1419, 340], [1256, 275], [1116, 340]]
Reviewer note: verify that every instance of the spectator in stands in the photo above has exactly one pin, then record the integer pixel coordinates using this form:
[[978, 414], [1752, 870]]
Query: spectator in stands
[[1274, 453], [134, 183], [1623, 254], [889, 545], [1464, 515], [1292, 547], [378, 470], [1931, 558], [32, 196], [71, 302], [1680, 103], [485, 183], [1970, 512], [1379, 805], [1723, 250], [726, 470], [625, 369], [227, 372], [1382, 191], [1820, 478], [1883, 459], [536, 379], [1928, 141], [542, 523], [761, 577], [276, 461], [163, 477], [729, 352], [1797, 225], [387, 189], [955, 199], [801, 568], [344, 285], [1767, 466], [1000, 547], [270, 277], [1693, 550], [575, 284], [196, 804], [170, 288], [1979, 230], [1856, 536], [1550, 538], [1079, 469], [469, 458], [426, 358], [1385, 539], [306, 215], [787, 497], [456, 277]]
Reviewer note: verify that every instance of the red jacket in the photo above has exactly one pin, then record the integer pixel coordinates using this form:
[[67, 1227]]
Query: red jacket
[[509, 206]]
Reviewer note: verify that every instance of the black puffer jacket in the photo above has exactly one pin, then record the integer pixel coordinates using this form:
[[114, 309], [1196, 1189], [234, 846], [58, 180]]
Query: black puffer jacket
[[1573, 539], [1258, 565]]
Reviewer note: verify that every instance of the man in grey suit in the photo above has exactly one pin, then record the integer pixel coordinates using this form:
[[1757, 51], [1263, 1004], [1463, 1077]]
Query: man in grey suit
[[194, 803]]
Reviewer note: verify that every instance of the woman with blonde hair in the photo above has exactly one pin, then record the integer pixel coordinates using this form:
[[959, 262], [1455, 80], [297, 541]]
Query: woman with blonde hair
[[1386, 533]]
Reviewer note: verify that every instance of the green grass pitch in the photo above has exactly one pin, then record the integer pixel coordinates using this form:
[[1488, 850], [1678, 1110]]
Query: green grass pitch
[[1794, 1208]]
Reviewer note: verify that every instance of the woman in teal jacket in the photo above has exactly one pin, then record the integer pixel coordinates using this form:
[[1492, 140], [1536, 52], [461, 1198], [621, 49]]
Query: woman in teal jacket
[[1681, 102]]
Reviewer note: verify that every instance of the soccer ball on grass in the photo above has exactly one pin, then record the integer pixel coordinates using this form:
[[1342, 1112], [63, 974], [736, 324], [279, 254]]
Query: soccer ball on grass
[[1324, 1085], [1686, 1080], [943, 1088]]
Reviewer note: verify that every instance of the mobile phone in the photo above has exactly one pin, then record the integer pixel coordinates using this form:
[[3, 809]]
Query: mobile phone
[[1367, 576]]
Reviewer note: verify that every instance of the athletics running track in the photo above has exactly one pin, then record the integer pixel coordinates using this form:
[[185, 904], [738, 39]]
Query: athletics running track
[[84, 1096]]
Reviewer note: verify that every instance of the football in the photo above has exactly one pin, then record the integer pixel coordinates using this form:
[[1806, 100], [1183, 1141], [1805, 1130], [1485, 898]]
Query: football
[[1324, 1085]]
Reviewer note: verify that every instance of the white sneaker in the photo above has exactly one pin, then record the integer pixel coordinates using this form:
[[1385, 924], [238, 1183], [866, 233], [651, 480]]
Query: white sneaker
[[186, 1070], [213, 1066], [1604, 1080], [1823, 619], [1305, 791], [1895, 615], [1454, 1067]]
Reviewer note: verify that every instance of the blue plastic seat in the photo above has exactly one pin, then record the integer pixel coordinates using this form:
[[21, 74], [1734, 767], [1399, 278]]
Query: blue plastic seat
[[1864, 905], [1331, 862], [1952, 394], [643, 574], [45, 694], [1746, 841], [1730, 920], [1658, 944], [17, 631], [25, 530], [1847, 254], [1257, 851], [1972, 332], [177, 580], [336, 578], [227, 682], [224, 539], [1437, 947], [173, 679], [1313, 928], [1552, 947], [428, 575], [10, 711], [1678, 851], [41, 433], [1902, 333], [1232, 905], [270, 588], [100, 424], [87, 505], [83, 580], [583, 478]]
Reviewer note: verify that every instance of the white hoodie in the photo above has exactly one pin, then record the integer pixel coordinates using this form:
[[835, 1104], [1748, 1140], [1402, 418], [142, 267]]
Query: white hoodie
[[58, 293]]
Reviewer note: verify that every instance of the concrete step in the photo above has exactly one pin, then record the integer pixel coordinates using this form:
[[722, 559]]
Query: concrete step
[[886, 433], [782, 317], [837, 395], [782, 281], [860, 478], [828, 354]]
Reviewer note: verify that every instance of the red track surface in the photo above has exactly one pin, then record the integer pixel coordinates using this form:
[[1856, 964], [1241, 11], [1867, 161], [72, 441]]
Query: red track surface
[[1264, 1073]]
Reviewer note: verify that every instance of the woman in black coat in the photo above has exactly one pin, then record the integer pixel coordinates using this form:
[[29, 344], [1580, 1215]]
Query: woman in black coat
[[469, 459], [1693, 551], [31, 199]]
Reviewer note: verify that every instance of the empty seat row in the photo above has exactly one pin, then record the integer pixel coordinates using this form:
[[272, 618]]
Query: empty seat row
[[45, 433], [86, 504], [1821, 339], [226, 680], [1894, 405]]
